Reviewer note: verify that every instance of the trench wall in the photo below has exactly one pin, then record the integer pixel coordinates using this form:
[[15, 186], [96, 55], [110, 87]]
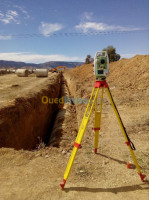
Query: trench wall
[[25, 123]]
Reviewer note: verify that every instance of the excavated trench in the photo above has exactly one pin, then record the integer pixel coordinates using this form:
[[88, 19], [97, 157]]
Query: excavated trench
[[65, 120], [29, 121]]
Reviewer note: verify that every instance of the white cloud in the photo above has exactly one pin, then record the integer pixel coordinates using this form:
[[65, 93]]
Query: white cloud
[[14, 15], [46, 28], [94, 26], [11, 16], [36, 58], [12, 12], [3, 37], [26, 14], [87, 16], [23, 11]]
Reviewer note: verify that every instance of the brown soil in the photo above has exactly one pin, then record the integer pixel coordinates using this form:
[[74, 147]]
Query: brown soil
[[24, 119], [37, 174]]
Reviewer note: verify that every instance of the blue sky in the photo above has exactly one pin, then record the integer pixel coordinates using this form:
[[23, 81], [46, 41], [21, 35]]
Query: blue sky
[[27, 28]]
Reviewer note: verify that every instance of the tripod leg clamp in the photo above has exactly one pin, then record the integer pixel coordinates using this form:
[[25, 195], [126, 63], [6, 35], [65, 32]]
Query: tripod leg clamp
[[77, 145], [128, 143], [96, 129]]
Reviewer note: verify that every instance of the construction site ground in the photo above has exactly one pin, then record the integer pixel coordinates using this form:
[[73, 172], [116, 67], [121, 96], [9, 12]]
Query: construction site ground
[[37, 173]]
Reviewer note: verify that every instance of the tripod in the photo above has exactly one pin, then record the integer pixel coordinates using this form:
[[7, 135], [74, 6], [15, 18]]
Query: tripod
[[93, 102]]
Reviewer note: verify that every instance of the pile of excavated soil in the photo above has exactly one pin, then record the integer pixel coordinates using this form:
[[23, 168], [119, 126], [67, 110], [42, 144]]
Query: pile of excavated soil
[[129, 77], [131, 73], [128, 81]]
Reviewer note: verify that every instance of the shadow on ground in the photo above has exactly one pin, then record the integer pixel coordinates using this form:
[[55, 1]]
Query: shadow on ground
[[121, 162], [112, 190], [116, 160]]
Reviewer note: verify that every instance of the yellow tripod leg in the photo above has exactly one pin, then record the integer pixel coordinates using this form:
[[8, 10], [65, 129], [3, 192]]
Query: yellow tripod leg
[[79, 136], [97, 121], [128, 142]]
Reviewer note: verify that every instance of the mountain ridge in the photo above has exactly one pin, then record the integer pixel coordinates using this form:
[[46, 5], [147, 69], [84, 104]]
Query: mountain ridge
[[50, 64]]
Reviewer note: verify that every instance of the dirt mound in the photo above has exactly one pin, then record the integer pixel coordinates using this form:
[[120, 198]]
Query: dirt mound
[[132, 72], [128, 77]]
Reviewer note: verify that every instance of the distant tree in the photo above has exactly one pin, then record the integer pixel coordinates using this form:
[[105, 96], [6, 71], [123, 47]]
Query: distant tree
[[113, 56], [88, 59]]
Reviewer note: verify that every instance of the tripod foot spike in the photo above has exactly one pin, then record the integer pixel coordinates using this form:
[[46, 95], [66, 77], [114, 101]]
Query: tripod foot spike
[[142, 176], [62, 184], [129, 165], [95, 150]]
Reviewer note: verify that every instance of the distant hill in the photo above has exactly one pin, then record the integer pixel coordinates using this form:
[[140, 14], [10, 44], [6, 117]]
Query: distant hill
[[51, 64], [54, 64], [13, 64]]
